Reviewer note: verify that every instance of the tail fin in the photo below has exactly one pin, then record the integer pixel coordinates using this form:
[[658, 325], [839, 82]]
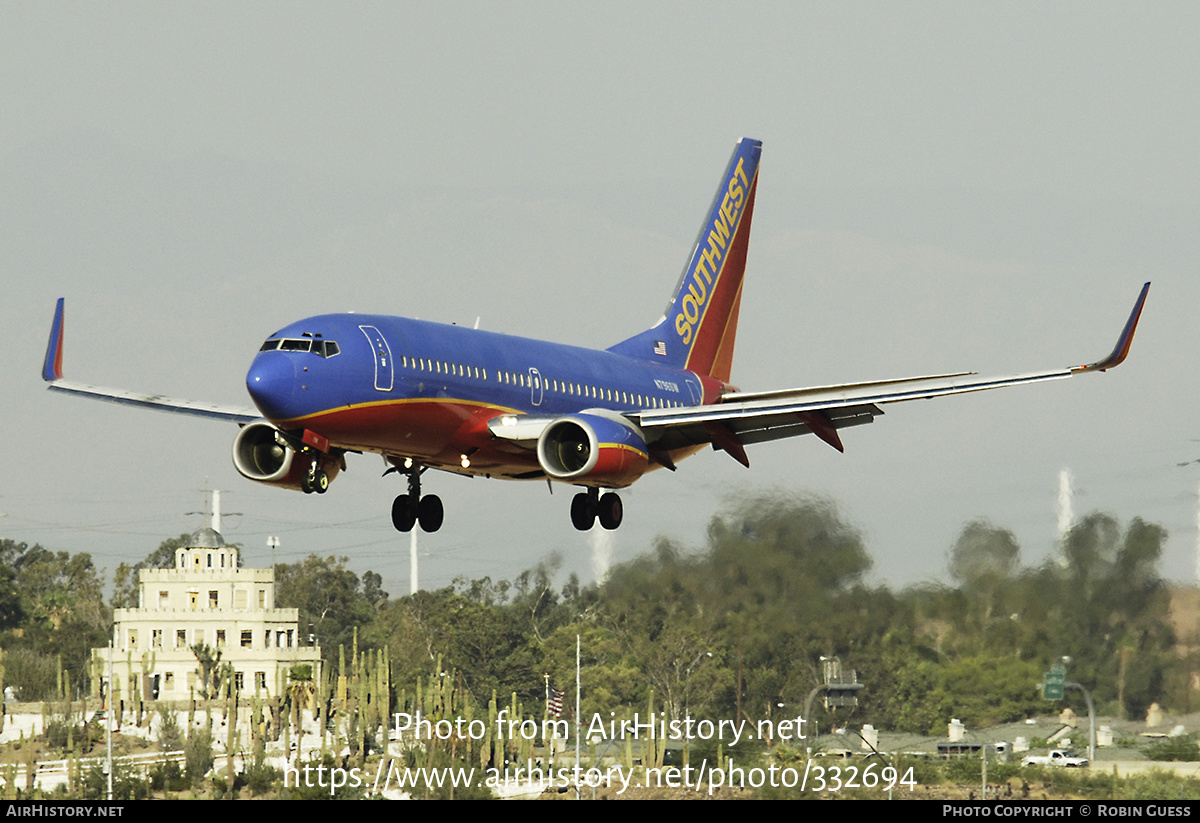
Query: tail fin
[[698, 328], [52, 365]]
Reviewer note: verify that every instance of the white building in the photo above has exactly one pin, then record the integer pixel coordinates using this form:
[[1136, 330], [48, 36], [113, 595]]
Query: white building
[[205, 599]]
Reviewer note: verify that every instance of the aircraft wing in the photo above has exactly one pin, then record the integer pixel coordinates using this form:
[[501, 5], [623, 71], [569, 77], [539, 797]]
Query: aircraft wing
[[743, 418], [52, 373]]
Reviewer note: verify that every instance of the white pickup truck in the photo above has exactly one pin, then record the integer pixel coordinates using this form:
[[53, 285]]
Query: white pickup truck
[[1056, 757]]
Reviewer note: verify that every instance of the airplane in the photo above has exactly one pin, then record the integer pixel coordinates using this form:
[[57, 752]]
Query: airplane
[[427, 395]]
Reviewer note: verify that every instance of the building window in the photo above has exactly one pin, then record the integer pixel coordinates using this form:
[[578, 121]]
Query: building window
[[267, 639], [156, 638], [163, 600], [239, 680], [133, 639], [192, 600], [247, 639], [212, 600], [181, 639], [260, 681], [262, 598], [239, 599], [220, 638], [169, 681]]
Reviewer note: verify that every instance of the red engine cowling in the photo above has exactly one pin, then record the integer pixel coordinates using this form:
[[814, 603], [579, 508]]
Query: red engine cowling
[[261, 452], [593, 450]]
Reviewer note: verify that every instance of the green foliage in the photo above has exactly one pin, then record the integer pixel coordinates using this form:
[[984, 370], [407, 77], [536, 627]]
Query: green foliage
[[166, 776], [730, 629], [33, 675], [980, 690], [125, 578], [312, 781], [214, 675], [198, 755], [329, 597], [128, 784], [170, 736], [66, 729], [1157, 785], [1182, 747], [53, 603], [260, 777]]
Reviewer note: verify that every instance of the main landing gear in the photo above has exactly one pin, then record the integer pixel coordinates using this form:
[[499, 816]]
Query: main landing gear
[[587, 506], [410, 509], [314, 480]]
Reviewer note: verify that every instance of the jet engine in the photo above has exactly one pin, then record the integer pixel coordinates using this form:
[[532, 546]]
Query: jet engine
[[593, 450], [268, 454]]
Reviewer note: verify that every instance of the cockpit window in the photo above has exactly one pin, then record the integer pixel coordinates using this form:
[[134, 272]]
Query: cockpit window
[[323, 348]]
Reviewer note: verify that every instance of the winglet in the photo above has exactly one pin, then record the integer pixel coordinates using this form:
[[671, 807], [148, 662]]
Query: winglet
[[52, 368], [1121, 351]]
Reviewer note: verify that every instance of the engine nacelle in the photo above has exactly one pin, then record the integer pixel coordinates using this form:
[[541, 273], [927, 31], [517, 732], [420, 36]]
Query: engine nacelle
[[261, 452], [594, 450]]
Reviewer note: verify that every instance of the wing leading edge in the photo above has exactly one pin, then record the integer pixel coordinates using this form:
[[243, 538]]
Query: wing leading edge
[[741, 419], [52, 373]]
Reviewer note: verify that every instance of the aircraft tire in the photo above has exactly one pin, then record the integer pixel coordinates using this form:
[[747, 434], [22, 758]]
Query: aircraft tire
[[583, 517], [432, 513], [320, 482], [403, 515], [611, 511]]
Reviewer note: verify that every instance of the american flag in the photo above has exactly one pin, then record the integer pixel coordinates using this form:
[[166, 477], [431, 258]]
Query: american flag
[[554, 707], [660, 348]]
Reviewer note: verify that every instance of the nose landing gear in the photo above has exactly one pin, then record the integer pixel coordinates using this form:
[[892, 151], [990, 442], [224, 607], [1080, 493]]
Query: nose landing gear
[[411, 509]]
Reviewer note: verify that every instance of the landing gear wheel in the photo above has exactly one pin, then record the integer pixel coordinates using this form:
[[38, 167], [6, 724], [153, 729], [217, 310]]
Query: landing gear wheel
[[610, 511], [431, 513], [583, 511], [314, 480], [404, 514]]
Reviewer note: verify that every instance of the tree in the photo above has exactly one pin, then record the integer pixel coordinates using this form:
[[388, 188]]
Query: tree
[[328, 596], [56, 601], [125, 578]]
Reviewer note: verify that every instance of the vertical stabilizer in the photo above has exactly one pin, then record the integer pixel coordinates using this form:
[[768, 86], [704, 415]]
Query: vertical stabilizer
[[52, 365], [699, 327]]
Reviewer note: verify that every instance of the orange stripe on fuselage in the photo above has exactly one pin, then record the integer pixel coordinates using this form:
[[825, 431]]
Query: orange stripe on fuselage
[[427, 428]]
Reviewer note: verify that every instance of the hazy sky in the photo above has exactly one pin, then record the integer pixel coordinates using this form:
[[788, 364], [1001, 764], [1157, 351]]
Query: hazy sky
[[944, 186]]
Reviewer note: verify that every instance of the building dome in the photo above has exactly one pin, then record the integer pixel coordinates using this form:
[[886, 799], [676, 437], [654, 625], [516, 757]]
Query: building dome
[[206, 538]]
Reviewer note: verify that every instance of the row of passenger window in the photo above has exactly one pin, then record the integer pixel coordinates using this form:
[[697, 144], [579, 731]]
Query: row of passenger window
[[532, 381]]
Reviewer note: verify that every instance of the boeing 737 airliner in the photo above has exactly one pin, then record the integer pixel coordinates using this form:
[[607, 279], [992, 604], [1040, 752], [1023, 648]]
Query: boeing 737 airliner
[[427, 395]]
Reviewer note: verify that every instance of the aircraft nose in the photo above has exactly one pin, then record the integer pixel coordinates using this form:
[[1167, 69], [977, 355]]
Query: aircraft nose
[[271, 382]]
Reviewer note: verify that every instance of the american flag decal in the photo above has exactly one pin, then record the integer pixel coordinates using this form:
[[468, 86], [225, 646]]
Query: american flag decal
[[660, 348]]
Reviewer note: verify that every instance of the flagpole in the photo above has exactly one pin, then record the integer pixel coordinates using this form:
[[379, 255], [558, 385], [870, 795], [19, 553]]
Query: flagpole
[[578, 791]]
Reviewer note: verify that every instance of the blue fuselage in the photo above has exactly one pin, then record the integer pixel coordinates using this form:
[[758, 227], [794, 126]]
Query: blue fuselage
[[412, 388]]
